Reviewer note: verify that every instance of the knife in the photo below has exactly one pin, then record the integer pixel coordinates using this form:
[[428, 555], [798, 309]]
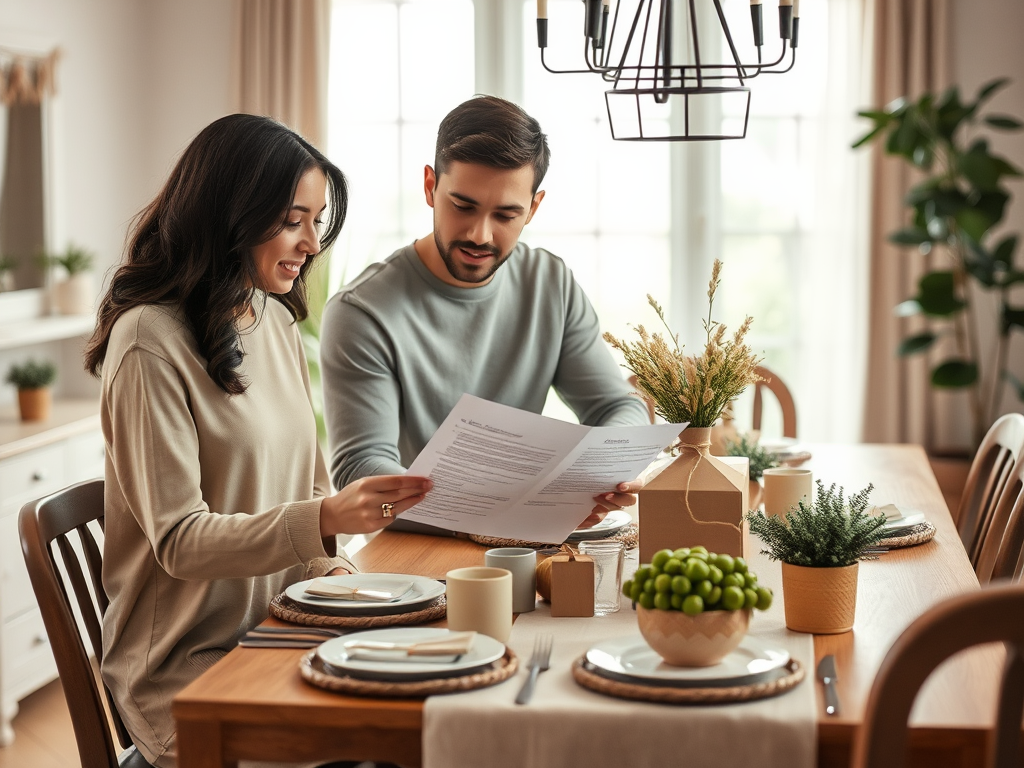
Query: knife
[[827, 675]]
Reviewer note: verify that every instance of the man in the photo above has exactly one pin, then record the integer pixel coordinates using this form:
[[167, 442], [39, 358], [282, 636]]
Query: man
[[467, 308]]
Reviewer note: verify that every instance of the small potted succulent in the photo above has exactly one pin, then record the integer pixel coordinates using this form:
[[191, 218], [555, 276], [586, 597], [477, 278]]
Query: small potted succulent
[[75, 294], [820, 545], [7, 266], [760, 459], [693, 606], [33, 382]]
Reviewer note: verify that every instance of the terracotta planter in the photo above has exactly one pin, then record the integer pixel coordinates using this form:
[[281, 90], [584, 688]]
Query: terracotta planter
[[34, 404], [692, 641], [821, 601]]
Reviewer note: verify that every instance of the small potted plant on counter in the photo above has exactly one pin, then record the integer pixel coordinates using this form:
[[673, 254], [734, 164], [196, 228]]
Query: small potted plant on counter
[[75, 294], [820, 546], [33, 382], [7, 266]]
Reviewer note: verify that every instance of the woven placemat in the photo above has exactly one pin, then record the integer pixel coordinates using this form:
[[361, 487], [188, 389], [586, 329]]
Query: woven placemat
[[667, 695], [313, 673], [284, 608], [629, 536], [918, 534]]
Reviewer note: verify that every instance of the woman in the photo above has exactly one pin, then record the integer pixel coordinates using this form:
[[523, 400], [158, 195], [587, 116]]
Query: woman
[[216, 493]]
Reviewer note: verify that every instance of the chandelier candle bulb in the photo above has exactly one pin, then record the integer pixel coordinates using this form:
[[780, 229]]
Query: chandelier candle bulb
[[796, 23], [786, 19], [593, 20], [757, 22], [542, 24]]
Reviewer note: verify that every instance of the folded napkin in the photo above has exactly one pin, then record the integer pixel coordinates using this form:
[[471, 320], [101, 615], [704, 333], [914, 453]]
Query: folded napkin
[[452, 645], [324, 588], [888, 511]]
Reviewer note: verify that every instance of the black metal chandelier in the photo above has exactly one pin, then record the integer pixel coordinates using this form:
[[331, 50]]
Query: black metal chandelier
[[648, 74]]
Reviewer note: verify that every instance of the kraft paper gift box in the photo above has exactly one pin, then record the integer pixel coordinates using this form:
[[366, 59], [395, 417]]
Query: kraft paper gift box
[[572, 585], [697, 499]]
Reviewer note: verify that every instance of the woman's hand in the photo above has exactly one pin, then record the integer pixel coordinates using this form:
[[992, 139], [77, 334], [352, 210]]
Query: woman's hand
[[359, 506], [622, 497]]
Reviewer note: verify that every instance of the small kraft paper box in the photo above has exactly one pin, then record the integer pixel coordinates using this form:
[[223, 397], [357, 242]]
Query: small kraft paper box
[[697, 499], [572, 585]]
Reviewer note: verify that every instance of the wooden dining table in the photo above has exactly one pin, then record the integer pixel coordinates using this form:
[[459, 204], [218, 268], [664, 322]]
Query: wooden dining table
[[253, 704]]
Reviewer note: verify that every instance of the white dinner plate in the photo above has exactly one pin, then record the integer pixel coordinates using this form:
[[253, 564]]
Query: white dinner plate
[[632, 660], [613, 522], [485, 650], [907, 517], [423, 591]]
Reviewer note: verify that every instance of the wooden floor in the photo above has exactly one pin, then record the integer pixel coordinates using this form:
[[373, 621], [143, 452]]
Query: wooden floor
[[43, 737]]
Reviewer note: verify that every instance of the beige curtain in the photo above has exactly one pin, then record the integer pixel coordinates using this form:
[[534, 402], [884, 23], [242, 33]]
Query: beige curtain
[[283, 63], [912, 44]]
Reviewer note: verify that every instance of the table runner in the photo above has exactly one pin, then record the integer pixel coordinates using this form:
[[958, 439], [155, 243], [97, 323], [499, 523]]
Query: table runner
[[567, 725]]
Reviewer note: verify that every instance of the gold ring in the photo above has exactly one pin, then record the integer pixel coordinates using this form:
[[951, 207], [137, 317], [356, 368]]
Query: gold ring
[[386, 510]]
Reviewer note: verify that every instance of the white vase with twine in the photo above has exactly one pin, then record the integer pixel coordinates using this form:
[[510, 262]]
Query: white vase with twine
[[697, 499]]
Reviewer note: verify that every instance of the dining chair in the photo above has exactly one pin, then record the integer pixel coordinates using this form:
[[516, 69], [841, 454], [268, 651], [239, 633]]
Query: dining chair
[[775, 385], [987, 479], [46, 525], [1002, 550], [991, 615]]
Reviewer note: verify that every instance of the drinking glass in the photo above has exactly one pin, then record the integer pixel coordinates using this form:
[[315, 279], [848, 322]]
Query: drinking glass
[[608, 557]]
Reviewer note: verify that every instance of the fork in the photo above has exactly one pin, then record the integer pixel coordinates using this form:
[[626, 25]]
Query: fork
[[540, 661]]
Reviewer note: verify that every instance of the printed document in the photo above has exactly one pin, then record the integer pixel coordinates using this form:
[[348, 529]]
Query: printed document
[[499, 471]]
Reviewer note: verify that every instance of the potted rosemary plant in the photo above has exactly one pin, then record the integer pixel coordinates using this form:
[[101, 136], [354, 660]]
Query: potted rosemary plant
[[75, 294], [33, 382], [820, 546], [698, 498]]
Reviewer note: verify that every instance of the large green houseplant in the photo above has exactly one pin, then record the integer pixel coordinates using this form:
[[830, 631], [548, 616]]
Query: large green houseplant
[[958, 203]]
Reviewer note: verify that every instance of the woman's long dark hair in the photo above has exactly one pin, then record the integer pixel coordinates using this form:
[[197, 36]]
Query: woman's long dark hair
[[230, 191]]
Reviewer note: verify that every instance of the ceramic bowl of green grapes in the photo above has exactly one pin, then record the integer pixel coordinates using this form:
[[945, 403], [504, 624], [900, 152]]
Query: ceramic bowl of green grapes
[[694, 606]]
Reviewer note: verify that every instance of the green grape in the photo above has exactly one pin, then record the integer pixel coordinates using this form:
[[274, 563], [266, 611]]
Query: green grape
[[663, 583], [682, 553], [750, 579], [739, 565], [733, 580], [661, 557], [764, 598], [643, 573], [693, 605], [677, 601], [681, 585], [696, 570], [714, 596], [715, 574], [725, 563], [627, 588], [646, 600], [749, 598], [697, 556], [699, 548], [732, 598], [654, 572], [649, 586], [674, 566], [703, 588], [638, 589]]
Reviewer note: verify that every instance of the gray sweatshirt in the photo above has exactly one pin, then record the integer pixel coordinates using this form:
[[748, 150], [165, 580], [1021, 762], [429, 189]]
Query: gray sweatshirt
[[399, 347]]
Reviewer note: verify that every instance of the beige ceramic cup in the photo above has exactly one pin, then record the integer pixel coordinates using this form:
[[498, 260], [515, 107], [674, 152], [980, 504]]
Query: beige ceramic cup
[[480, 599], [783, 488]]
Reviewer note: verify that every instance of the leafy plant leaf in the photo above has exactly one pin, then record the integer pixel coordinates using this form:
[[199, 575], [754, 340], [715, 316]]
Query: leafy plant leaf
[[1012, 317], [955, 374], [910, 236], [988, 89], [936, 293], [979, 168], [914, 344], [1004, 122]]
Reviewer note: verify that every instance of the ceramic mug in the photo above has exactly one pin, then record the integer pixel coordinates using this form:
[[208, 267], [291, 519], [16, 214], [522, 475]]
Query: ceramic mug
[[783, 488], [522, 563], [480, 599]]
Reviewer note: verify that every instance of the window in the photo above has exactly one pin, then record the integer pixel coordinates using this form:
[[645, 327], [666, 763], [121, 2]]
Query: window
[[780, 208]]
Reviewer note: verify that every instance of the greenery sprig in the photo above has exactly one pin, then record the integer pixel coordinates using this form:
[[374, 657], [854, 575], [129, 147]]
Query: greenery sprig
[[32, 375], [830, 533], [74, 260], [687, 388], [760, 458]]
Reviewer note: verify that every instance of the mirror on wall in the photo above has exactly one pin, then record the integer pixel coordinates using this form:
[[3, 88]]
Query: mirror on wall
[[22, 217]]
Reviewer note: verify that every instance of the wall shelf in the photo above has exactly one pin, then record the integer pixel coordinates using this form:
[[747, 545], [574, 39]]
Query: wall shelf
[[43, 329]]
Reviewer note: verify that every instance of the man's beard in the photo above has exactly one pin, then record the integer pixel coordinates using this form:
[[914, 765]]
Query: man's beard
[[462, 273]]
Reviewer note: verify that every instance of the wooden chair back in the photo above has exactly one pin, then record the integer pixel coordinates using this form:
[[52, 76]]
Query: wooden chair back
[[992, 615], [1002, 551], [61, 522], [990, 473], [775, 385]]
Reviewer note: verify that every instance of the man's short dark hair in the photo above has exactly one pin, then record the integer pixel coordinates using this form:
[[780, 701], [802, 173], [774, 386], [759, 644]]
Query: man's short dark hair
[[494, 132]]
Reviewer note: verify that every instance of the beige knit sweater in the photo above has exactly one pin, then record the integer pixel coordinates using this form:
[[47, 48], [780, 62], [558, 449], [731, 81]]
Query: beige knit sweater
[[212, 505]]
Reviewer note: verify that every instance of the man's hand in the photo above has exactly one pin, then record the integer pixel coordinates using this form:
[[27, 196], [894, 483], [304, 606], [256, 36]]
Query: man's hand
[[623, 496]]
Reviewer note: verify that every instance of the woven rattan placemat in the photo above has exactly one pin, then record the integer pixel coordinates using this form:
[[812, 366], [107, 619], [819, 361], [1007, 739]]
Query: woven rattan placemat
[[312, 671], [629, 536], [668, 695], [284, 608], [918, 534]]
